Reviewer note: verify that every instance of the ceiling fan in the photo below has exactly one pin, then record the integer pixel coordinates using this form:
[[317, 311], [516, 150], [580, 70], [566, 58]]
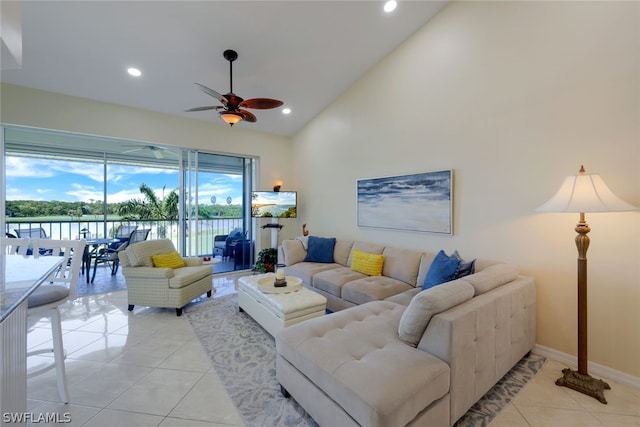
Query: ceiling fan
[[158, 152], [232, 105]]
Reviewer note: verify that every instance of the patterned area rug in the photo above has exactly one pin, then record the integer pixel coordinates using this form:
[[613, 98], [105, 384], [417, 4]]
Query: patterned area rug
[[243, 355]]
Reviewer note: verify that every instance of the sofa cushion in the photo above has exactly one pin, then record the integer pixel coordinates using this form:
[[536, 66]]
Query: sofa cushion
[[339, 353], [331, 281], [307, 270], [320, 249], [342, 251], [427, 304], [293, 251], [372, 288], [366, 263], [169, 260], [401, 264], [404, 298], [491, 277], [442, 269], [425, 263]]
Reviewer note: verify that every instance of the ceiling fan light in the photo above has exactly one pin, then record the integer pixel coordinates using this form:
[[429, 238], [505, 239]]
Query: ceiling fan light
[[230, 117]]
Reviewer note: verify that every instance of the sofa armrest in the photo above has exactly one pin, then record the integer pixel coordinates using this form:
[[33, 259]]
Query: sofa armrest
[[193, 261], [293, 252], [147, 273]]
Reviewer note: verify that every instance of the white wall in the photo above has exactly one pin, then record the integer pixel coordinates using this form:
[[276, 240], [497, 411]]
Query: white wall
[[512, 96], [30, 107]]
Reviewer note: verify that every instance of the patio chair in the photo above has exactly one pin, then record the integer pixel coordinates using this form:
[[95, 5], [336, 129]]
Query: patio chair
[[139, 235], [33, 233], [11, 245], [109, 255], [45, 301], [124, 232], [220, 245]]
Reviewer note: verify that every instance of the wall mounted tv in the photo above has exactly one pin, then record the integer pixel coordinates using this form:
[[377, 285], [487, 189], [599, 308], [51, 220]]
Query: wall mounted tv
[[274, 204]]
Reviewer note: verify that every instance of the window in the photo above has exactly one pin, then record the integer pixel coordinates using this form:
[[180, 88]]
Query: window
[[85, 186]]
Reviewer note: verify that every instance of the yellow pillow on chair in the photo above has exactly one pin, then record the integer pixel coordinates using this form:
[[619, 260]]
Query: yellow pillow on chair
[[168, 260]]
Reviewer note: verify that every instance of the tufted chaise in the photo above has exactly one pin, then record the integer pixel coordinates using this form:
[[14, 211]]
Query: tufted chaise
[[355, 367]]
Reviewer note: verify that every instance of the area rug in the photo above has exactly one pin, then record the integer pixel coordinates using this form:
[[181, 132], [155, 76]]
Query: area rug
[[243, 356]]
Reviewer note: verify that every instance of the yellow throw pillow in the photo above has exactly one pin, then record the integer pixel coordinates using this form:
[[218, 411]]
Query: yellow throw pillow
[[168, 260], [366, 263]]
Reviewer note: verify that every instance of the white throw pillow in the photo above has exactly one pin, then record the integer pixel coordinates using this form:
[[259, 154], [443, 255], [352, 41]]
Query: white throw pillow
[[427, 304]]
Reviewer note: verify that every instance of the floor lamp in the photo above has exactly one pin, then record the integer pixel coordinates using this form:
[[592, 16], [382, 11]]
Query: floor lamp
[[579, 194]]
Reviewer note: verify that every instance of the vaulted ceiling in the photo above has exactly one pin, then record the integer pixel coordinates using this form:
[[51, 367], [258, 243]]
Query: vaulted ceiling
[[305, 53]]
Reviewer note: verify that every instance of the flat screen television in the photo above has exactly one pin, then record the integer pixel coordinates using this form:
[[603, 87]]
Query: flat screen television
[[274, 204]]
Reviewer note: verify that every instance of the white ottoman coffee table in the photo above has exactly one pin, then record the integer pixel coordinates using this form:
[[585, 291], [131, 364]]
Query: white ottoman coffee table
[[284, 307]]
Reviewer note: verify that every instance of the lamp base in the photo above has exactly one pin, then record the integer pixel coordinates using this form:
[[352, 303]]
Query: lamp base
[[584, 383]]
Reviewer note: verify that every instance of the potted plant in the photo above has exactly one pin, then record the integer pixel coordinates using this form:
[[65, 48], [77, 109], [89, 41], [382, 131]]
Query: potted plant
[[267, 260]]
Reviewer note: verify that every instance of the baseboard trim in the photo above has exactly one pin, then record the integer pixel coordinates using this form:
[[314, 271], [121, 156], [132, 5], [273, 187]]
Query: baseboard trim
[[594, 368]]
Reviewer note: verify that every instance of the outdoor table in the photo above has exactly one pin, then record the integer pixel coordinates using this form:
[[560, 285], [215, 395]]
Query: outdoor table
[[90, 247]]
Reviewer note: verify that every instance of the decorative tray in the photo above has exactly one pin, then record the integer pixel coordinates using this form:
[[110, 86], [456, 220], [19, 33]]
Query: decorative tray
[[266, 285]]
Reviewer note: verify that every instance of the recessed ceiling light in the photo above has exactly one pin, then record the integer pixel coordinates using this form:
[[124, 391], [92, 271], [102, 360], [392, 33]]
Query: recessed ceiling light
[[286, 111], [134, 72], [390, 6]]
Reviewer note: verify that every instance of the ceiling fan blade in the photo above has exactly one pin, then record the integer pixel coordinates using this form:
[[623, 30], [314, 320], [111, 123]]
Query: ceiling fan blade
[[210, 107], [248, 116], [261, 103], [133, 150], [213, 93]]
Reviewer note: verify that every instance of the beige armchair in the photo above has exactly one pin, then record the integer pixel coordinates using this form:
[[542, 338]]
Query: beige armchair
[[163, 286]]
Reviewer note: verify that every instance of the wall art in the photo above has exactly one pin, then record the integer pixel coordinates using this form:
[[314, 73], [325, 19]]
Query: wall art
[[418, 202]]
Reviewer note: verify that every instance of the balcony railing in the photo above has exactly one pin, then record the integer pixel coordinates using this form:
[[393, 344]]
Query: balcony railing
[[205, 229]]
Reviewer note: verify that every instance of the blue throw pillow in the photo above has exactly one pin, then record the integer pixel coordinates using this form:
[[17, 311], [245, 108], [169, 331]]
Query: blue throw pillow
[[320, 249], [442, 269], [466, 267]]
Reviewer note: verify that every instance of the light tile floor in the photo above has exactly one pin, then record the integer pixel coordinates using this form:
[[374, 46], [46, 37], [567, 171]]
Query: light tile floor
[[148, 368]]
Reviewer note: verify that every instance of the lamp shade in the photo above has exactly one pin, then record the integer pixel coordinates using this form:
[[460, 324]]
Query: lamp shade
[[585, 193], [230, 117]]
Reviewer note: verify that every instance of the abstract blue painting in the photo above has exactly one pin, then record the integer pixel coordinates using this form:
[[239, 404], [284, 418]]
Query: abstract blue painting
[[418, 202]]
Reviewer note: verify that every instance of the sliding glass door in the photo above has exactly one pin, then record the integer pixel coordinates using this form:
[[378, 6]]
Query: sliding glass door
[[215, 208], [84, 186]]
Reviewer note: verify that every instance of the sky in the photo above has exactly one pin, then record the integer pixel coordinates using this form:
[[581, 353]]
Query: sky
[[40, 179]]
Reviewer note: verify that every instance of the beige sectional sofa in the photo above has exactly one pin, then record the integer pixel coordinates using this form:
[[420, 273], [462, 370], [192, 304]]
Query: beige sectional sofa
[[394, 355], [403, 270]]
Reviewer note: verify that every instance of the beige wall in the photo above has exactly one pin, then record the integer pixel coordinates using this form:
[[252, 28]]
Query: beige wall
[[512, 96], [29, 107]]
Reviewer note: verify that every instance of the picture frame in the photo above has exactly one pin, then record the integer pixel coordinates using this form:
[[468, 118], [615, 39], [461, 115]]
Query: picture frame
[[420, 202]]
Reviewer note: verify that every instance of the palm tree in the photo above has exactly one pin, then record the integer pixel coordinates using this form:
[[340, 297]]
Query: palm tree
[[151, 207]]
